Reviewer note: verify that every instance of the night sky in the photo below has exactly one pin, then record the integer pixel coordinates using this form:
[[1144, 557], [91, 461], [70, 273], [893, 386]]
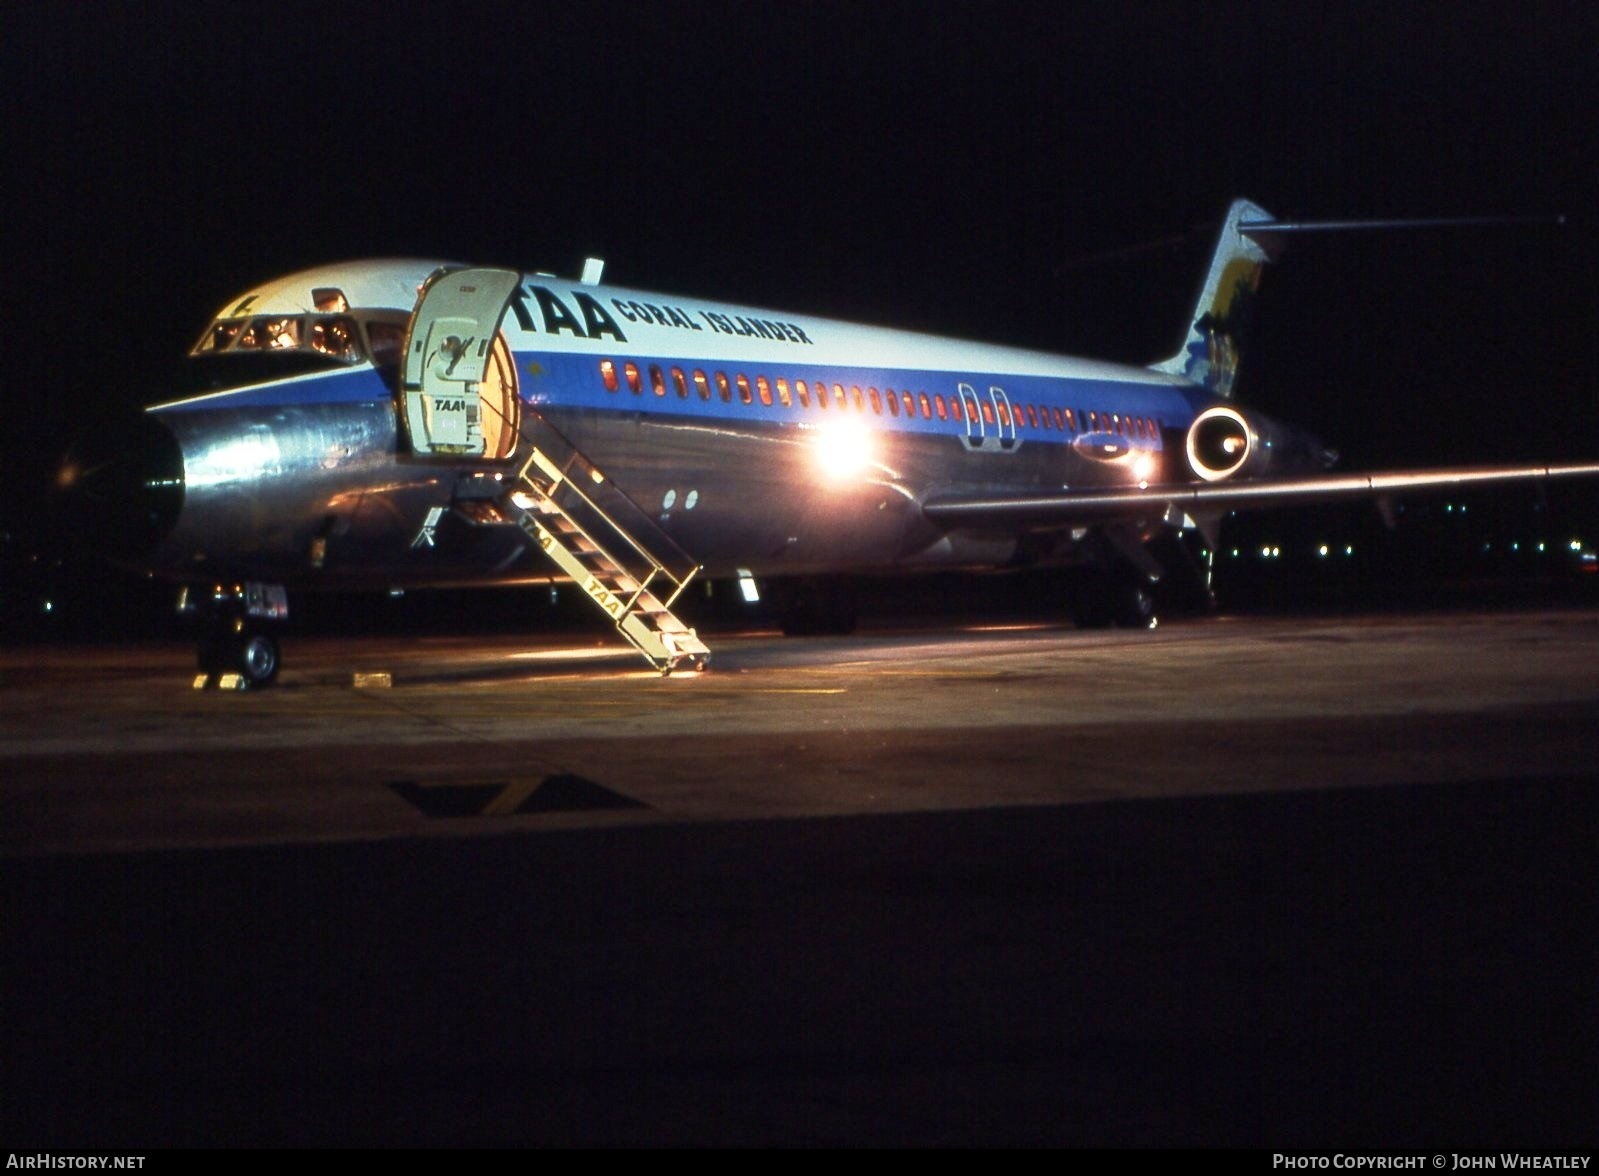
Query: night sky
[[990, 172]]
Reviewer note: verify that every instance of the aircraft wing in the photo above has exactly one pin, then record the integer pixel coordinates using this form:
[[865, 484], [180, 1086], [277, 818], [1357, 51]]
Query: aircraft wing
[[1068, 507]]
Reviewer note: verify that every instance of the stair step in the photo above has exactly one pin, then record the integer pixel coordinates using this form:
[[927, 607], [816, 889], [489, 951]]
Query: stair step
[[565, 493]]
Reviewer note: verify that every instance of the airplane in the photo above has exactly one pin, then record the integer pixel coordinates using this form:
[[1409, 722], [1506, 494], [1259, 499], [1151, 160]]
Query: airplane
[[394, 424]]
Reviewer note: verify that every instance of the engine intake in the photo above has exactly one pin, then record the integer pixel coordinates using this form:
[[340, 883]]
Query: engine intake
[[1220, 443], [1223, 443]]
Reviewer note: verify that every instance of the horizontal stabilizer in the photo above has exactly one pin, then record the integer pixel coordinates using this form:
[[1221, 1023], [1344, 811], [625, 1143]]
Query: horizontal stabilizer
[[1249, 238], [1264, 226]]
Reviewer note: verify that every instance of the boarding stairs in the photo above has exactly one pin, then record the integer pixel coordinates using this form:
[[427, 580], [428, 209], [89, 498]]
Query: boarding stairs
[[603, 540]]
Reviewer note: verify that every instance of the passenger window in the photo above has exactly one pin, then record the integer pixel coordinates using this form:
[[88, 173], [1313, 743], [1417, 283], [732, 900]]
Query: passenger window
[[988, 413], [764, 388], [744, 393], [877, 401], [680, 383], [723, 388], [927, 407], [893, 402], [938, 404], [860, 400], [634, 384], [657, 380], [782, 392], [804, 393], [839, 399], [608, 374], [702, 385]]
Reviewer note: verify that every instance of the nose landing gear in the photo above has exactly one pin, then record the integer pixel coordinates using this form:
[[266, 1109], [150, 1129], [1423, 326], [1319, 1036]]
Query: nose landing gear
[[236, 649]]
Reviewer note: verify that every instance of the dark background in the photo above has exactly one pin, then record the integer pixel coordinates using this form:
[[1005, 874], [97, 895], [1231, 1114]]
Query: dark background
[[1408, 965], [997, 173]]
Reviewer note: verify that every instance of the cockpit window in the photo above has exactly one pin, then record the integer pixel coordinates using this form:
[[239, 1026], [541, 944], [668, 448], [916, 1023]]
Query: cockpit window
[[270, 334], [221, 334], [337, 337], [387, 341], [332, 335]]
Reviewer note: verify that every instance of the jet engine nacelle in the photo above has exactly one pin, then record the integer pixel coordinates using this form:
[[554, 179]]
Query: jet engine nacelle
[[1224, 442]]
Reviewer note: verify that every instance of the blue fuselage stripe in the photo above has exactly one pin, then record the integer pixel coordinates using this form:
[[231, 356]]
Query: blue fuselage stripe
[[573, 381]]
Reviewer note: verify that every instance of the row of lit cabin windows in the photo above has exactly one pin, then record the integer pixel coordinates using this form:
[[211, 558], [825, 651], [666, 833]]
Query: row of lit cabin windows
[[895, 403]]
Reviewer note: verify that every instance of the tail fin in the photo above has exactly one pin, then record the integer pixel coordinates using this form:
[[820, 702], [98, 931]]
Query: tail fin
[[1209, 355], [1250, 237]]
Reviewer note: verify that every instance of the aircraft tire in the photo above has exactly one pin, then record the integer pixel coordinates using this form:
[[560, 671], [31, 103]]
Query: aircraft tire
[[1090, 601], [840, 612], [255, 656], [1135, 607], [796, 608], [816, 608]]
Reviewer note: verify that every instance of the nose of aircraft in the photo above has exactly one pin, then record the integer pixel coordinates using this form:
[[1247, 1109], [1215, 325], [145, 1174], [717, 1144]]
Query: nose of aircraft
[[121, 489]]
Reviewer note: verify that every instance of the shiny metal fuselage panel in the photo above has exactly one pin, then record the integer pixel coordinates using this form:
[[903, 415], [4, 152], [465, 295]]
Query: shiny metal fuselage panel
[[306, 481]]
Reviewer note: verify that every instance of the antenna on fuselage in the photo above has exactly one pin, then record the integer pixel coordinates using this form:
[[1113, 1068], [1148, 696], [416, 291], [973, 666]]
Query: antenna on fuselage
[[593, 267]]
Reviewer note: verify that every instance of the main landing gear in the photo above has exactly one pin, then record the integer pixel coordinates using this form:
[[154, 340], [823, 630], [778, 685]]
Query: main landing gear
[[813, 607], [236, 647], [1102, 597]]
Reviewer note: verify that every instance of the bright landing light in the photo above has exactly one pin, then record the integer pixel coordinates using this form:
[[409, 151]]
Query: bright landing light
[[843, 449]]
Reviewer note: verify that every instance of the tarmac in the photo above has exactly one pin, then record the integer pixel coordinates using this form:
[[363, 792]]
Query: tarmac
[[1285, 883]]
